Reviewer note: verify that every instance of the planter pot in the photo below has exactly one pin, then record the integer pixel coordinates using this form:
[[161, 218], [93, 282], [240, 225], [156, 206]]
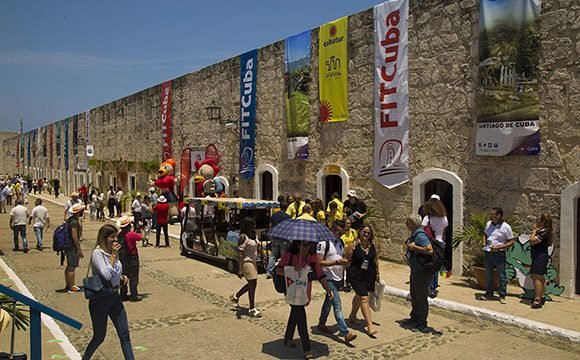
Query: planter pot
[[480, 277]]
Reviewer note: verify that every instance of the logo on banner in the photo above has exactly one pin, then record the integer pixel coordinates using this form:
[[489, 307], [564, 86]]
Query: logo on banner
[[390, 158], [90, 151], [246, 159]]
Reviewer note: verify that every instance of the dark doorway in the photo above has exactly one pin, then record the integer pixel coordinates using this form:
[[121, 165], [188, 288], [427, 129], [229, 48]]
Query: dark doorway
[[577, 246], [445, 192], [332, 183], [267, 186]]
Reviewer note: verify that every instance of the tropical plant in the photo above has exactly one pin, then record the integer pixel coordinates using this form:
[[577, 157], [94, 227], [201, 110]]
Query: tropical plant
[[472, 233], [20, 317]]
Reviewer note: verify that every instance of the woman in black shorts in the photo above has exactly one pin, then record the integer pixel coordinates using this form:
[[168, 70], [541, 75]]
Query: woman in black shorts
[[362, 274], [540, 239]]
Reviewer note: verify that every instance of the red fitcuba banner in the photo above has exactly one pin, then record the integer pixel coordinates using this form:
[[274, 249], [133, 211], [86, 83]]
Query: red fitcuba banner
[[185, 170], [50, 135], [166, 132]]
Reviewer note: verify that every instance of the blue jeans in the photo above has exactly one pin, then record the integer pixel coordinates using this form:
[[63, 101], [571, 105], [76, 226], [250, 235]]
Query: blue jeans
[[279, 247], [20, 229], [497, 260], [101, 309], [38, 232], [337, 305], [434, 283]]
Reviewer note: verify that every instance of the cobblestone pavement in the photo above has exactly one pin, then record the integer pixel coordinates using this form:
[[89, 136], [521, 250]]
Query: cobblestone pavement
[[186, 314]]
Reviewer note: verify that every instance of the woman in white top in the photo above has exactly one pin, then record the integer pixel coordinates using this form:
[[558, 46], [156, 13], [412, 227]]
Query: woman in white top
[[105, 263], [247, 268], [436, 218]]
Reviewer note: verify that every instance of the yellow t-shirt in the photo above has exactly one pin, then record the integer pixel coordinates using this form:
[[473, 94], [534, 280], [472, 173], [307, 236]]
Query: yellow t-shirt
[[292, 209], [306, 216], [348, 237], [339, 209], [320, 217]]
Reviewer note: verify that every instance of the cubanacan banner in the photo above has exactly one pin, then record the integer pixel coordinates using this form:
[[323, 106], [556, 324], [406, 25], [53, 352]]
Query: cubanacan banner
[[333, 70], [391, 94], [166, 130], [297, 90], [248, 73], [508, 110]]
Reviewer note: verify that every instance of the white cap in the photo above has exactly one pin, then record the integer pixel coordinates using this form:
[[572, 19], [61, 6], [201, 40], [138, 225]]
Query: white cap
[[435, 196]]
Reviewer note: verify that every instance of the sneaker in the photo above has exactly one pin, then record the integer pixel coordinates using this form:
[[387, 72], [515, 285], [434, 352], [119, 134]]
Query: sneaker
[[136, 298], [409, 321], [502, 300], [268, 276], [234, 299], [73, 289], [422, 329], [255, 313], [484, 297], [350, 337]]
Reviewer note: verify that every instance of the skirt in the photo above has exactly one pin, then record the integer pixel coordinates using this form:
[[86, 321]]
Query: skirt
[[250, 270], [540, 264]]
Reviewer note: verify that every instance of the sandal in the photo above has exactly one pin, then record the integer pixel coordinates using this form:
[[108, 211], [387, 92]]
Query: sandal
[[537, 304], [372, 333], [308, 355]]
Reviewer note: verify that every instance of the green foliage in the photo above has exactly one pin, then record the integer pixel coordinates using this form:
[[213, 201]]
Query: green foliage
[[299, 81], [21, 318], [297, 114], [471, 235]]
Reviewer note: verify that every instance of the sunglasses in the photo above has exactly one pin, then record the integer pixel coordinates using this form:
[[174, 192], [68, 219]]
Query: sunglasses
[[365, 232]]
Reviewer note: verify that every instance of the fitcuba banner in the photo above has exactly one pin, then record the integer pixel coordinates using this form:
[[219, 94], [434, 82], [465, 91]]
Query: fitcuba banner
[[391, 94], [166, 130], [333, 70], [248, 73], [508, 112], [297, 90]]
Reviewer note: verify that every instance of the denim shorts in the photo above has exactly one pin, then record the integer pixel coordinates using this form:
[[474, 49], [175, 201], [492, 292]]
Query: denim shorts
[[72, 258]]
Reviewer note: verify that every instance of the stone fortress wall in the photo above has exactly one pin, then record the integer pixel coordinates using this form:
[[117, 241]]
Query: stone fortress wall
[[443, 78]]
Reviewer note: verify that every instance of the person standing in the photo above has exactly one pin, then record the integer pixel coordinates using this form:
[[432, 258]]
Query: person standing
[[355, 209], [318, 211], [130, 259], [295, 209], [541, 239], [364, 271], [3, 195], [136, 210], [119, 201], [154, 197], [436, 219], [41, 221], [111, 201], [278, 246], [101, 207], [18, 219], [330, 257], [56, 186], [9, 193], [498, 238], [161, 211], [348, 236], [247, 256], [147, 218], [73, 253], [74, 199], [105, 264], [419, 250], [339, 213]]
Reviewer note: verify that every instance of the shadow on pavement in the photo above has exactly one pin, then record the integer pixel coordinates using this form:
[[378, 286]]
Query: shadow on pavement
[[277, 349]]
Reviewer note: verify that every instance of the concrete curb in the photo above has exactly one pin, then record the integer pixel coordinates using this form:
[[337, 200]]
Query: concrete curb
[[534, 326]]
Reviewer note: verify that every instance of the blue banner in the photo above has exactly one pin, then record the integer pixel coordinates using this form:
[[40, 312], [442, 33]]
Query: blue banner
[[66, 144], [248, 72]]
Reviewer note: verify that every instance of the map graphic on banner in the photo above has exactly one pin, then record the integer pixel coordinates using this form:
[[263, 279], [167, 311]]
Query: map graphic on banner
[[508, 102], [391, 94], [333, 70], [297, 90]]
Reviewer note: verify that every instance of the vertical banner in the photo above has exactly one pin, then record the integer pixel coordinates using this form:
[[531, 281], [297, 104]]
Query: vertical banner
[[185, 170], [333, 70], [297, 90], [66, 121], [391, 94], [58, 145], [22, 151], [44, 152], [508, 110], [75, 135], [248, 73], [51, 137], [18, 155], [166, 130], [28, 149], [88, 126]]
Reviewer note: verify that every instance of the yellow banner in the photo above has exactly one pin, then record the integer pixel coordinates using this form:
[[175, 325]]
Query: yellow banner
[[333, 70]]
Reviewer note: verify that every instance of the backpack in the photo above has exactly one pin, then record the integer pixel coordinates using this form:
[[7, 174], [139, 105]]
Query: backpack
[[433, 263], [61, 239], [123, 254]]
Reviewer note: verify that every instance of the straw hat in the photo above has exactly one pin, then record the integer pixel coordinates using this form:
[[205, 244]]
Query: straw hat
[[162, 199], [76, 208], [124, 221]]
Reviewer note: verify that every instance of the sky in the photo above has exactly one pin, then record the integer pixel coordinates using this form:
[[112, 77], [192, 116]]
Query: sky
[[63, 57]]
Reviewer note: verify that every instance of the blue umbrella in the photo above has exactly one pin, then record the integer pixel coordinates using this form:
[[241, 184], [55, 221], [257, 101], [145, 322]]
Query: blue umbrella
[[301, 230]]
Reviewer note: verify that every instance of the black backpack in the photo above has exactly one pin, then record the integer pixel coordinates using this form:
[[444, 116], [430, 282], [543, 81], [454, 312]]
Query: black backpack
[[123, 254], [431, 263]]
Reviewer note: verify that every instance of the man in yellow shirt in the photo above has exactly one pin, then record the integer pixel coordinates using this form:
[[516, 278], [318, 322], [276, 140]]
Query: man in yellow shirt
[[296, 208], [306, 214], [339, 208]]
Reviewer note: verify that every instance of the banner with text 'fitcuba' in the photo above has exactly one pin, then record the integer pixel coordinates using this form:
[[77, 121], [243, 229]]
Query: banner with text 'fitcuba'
[[391, 94], [248, 73]]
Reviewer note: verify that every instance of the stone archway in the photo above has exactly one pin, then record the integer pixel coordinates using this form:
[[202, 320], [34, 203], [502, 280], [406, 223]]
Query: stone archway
[[419, 183], [262, 168], [569, 239], [331, 170]]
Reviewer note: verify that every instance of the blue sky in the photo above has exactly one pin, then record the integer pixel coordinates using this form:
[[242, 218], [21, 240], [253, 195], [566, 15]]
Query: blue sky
[[62, 57]]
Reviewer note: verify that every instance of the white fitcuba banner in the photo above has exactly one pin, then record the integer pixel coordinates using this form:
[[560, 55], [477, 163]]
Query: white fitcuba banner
[[391, 94]]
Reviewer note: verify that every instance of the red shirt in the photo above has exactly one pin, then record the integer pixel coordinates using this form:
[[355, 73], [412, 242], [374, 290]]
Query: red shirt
[[131, 239], [162, 211]]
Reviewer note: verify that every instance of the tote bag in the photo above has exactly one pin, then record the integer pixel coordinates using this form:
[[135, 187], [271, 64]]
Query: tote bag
[[296, 285], [376, 296]]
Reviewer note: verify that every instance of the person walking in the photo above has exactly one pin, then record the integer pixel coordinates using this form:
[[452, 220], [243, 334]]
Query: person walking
[[301, 256], [105, 264], [74, 253], [247, 256], [330, 257], [419, 249], [295, 209], [18, 219], [136, 210], [41, 220], [161, 211], [498, 238], [277, 246], [101, 207], [147, 218], [56, 186], [3, 196], [364, 271], [541, 239], [129, 256]]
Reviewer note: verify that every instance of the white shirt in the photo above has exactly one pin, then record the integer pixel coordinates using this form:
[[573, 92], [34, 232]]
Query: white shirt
[[100, 264], [498, 234], [118, 196], [39, 216], [68, 206], [19, 215], [136, 206], [335, 251], [438, 224], [191, 213]]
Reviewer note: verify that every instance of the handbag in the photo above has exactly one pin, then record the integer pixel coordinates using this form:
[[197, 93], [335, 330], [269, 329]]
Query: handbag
[[94, 287], [376, 296]]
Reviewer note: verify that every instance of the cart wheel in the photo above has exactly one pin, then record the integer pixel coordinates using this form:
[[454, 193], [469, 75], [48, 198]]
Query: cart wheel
[[232, 266]]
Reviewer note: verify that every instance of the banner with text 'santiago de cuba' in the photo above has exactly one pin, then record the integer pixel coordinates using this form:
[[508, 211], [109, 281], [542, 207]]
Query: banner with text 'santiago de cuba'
[[248, 73], [297, 90], [391, 94], [333, 70], [508, 103]]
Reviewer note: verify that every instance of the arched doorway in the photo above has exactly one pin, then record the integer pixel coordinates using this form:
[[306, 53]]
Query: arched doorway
[[331, 178], [445, 192], [569, 240], [443, 181], [266, 184], [332, 184]]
